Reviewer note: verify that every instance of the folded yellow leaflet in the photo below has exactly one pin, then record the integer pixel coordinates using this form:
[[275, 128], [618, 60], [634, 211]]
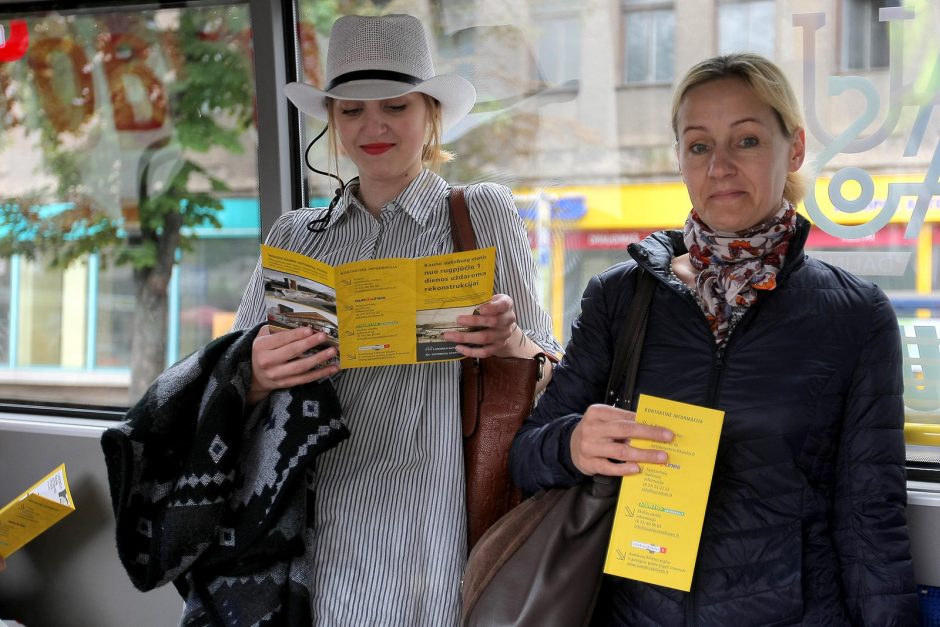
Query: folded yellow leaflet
[[660, 511], [379, 312], [44, 504]]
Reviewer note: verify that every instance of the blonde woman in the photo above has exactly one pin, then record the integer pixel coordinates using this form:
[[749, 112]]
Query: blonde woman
[[806, 520], [388, 523]]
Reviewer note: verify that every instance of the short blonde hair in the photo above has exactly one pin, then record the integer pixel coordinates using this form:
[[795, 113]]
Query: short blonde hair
[[768, 82], [433, 154]]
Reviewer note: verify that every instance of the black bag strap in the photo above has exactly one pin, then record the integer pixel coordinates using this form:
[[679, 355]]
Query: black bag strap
[[629, 344]]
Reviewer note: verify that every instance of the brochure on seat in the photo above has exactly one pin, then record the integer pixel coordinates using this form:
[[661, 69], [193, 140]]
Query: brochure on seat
[[379, 311], [35, 510], [660, 511]]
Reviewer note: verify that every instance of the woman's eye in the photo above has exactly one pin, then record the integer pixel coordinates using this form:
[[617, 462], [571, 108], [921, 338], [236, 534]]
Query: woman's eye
[[398, 108], [749, 142], [349, 111], [698, 149]]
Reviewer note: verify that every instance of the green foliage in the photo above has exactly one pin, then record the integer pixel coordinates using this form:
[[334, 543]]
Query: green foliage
[[320, 13]]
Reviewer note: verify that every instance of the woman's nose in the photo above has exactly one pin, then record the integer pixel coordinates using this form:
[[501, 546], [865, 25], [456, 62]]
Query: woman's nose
[[375, 121], [721, 163]]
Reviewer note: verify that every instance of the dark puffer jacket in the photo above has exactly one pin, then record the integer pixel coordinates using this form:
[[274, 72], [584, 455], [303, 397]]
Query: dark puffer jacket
[[806, 520]]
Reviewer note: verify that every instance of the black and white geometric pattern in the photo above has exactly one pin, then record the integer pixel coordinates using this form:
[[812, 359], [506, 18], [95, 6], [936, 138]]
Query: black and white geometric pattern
[[212, 496]]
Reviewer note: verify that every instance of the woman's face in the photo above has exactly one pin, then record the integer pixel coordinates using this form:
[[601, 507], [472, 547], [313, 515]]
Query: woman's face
[[733, 155], [384, 138]]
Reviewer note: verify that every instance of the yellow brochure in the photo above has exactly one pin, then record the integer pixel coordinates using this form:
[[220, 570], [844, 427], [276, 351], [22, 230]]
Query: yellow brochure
[[658, 521], [379, 311], [28, 515]]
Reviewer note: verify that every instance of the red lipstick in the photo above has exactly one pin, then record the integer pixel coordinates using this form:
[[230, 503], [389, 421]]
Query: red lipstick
[[376, 149]]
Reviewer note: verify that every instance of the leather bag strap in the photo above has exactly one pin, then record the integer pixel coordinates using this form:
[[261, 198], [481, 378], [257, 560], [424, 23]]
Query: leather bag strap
[[461, 227], [626, 362]]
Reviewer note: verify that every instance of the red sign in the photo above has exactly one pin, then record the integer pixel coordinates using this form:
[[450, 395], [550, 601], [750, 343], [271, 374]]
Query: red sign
[[602, 240], [14, 42]]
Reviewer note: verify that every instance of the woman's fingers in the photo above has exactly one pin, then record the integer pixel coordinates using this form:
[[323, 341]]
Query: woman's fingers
[[609, 441], [282, 360], [492, 326]]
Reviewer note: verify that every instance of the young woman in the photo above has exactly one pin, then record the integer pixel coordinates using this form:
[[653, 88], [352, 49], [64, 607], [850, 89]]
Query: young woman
[[389, 515], [806, 517]]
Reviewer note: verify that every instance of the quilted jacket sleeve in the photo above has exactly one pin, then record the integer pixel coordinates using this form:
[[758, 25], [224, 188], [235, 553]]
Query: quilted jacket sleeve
[[541, 452], [870, 493]]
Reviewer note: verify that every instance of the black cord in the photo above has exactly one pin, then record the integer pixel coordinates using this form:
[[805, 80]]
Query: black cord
[[319, 225]]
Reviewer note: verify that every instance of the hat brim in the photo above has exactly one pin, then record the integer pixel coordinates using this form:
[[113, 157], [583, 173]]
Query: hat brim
[[528, 103], [455, 93]]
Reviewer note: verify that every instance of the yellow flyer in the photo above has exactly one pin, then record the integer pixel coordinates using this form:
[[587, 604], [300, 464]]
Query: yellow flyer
[[658, 521], [38, 508], [379, 311]]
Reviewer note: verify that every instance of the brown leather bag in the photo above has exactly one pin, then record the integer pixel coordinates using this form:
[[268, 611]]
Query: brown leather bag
[[496, 397], [541, 564]]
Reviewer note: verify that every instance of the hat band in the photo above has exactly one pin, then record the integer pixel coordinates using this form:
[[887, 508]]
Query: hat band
[[385, 75]]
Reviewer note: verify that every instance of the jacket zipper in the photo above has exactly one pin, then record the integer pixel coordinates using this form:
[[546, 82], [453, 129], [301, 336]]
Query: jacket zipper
[[714, 384]]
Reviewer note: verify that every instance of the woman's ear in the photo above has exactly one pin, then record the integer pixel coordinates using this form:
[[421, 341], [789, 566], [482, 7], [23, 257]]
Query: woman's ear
[[797, 149]]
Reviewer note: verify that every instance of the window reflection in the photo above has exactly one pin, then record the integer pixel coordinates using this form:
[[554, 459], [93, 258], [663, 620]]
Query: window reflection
[[649, 45], [746, 26], [127, 135], [595, 169]]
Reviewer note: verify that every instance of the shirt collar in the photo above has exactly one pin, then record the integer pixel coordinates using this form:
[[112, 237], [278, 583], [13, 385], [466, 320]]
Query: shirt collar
[[418, 199]]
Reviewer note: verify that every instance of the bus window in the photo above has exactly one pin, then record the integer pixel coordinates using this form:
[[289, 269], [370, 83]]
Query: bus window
[[124, 131], [573, 114]]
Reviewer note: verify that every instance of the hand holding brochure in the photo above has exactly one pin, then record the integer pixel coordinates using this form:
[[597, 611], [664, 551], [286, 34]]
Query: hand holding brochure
[[660, 511], [379, 311], [28, 515]]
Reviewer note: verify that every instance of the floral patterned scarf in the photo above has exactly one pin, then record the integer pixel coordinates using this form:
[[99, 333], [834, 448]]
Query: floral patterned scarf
[[732, 267]]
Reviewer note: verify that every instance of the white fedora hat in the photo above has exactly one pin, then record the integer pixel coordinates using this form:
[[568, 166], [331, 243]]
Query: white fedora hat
[[373, 58]]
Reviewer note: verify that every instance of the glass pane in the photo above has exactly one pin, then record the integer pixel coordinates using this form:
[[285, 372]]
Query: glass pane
[[124, 131], [664, 45], [746, 26], [732, 30], [638, 44], [40, 314], [604, 159], [115, 311], [212, 279], [559, 48], [760, 28]]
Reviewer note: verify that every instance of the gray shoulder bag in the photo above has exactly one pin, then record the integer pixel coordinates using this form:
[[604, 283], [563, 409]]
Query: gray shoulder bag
[[541, 565]]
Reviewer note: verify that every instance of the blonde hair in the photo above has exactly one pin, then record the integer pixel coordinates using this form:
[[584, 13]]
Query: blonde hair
[[433, 155], [770, 85]]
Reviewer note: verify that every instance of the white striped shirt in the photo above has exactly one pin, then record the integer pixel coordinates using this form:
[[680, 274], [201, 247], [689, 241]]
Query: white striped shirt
[[390, 529]]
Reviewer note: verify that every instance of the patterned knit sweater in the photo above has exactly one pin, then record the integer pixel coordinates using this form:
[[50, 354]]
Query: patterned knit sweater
[[212, 496]]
